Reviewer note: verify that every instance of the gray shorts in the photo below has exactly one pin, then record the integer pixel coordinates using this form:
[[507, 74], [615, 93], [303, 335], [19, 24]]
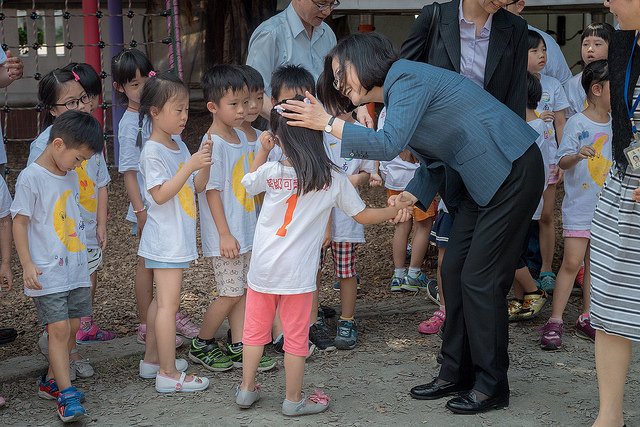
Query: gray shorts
[[66, 305]]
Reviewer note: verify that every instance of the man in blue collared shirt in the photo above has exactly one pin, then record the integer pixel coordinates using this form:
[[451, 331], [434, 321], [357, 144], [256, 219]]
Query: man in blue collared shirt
[[298, 36]]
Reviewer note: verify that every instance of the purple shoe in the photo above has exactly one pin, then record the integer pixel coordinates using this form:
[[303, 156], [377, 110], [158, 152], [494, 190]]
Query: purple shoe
[[551, 336], [584, 329]]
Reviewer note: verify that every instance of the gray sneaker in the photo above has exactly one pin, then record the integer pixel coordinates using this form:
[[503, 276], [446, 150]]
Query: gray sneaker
[[347, 335], [246, 398], [295, 409], [81, 368]]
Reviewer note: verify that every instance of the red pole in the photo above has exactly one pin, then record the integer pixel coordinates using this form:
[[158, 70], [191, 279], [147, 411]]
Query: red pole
[[91, 53]]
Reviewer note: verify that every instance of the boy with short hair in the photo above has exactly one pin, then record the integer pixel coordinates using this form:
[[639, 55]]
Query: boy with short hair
[[227, 219], [50, 241], [255, 85]]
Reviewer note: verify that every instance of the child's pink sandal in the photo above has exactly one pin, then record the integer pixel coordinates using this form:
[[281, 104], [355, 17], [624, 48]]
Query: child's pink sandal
[[432, 325]]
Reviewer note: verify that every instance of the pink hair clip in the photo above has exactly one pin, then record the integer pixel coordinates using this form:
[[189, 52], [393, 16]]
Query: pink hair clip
[[75, 76], [279, 109], [152, 73]]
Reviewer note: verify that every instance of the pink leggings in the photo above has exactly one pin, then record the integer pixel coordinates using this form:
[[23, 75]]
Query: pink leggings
[[294, 314]]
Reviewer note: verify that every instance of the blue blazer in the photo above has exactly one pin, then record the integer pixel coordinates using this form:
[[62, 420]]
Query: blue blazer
[[464, 138]]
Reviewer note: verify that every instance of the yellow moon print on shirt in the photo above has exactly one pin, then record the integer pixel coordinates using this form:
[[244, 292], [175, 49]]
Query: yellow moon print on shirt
[[187, 199], [65, 226], [599, 165], [238, 189], [87, 189]]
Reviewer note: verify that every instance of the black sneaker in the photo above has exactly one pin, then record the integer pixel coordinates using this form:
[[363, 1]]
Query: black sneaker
[[321, 321], [319, 337], [432, 291], [278, 344], [329, 312]]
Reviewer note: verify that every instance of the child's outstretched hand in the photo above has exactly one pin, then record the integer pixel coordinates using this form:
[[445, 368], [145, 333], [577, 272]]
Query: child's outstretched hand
[[586, 151], [30, 275], [548, 116], [267, 140], [375, 180], [404, 202]]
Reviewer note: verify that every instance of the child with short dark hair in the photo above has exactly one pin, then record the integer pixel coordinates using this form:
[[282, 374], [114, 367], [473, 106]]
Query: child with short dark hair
[[227, 218], [50, 241], [255, 84]]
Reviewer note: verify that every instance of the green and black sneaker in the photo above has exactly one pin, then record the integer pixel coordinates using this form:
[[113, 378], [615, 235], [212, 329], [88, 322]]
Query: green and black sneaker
[[210, 356], [266, 363]]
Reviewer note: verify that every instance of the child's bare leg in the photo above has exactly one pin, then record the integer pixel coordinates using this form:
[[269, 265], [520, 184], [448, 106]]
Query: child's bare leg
[[144, 289], [294, 373], [74, 325], [313, 316], [399, 243], [525, 283], [251, 355], [348, 294], [420, 242], [215, 315], [613, 354], [59, 333], [236, 320], [150, 345], [574, 253], [169, 282], [547, 228], [94, 282]]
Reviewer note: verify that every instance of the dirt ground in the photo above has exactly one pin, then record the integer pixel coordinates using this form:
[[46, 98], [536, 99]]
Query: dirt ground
[[368, 385]]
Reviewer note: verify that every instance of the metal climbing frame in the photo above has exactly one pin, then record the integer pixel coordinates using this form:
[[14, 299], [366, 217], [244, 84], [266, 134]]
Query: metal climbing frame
[[94, 45]]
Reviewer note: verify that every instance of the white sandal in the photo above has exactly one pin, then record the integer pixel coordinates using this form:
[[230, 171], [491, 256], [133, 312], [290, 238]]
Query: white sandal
[[169, 385], [150, 370]]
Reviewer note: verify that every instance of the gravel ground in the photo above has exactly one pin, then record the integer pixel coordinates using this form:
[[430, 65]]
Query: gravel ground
[[367, 385]]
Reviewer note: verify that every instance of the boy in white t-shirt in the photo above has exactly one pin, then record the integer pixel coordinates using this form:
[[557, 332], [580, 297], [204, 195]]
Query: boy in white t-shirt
[[50, 241], [346, 235], [227, 218]]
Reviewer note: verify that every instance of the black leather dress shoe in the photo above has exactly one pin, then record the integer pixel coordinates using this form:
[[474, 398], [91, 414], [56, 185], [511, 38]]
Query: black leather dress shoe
[[467, 403], [433, 390]]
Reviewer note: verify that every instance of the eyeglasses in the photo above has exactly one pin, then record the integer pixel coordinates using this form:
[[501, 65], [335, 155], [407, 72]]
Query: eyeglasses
[[510, 3], [336, 82], [73, 104], [330, 6]]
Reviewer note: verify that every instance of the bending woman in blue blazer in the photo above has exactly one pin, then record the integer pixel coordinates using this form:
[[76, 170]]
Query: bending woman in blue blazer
[[481, 157]]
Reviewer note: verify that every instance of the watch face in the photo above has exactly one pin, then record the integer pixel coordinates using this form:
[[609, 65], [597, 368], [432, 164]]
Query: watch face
[[328, 128]]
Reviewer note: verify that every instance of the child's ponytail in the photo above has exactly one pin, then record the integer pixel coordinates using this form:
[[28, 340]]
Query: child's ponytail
[[594, 73]]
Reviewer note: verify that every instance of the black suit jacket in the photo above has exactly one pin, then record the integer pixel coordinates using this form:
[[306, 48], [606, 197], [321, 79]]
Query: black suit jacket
[[619, 52], [506, 66]]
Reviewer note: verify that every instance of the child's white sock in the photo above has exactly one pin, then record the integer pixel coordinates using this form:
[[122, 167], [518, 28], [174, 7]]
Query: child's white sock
[[399, 272], [414, 271]]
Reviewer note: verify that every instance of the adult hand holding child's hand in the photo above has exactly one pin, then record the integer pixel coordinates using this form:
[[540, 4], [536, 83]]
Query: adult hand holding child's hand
[[404, 201]]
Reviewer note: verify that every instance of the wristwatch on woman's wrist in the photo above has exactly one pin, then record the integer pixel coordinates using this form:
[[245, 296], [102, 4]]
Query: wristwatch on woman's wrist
[[328, 128]]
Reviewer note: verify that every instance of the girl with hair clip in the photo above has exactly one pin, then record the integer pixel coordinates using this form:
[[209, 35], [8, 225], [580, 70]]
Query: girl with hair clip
[[585, 155], [130, 70], [300, 193], [168, 242], [59, 90]]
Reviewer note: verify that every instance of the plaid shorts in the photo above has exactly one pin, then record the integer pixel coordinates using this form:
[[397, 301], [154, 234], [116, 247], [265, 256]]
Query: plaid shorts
[[344, 258]]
